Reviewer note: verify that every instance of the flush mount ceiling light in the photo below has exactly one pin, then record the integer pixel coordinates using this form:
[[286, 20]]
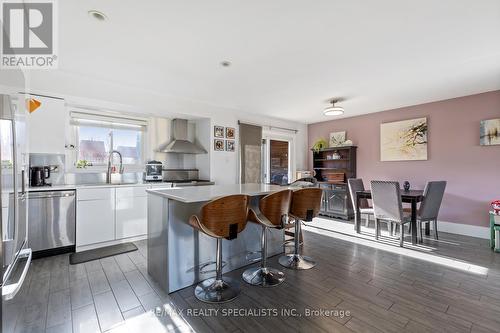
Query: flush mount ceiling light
[[99, 16], [333, 110], [225, 63]]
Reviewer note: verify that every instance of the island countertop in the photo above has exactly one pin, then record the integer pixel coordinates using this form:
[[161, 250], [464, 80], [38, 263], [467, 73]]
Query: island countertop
[[206, 193]]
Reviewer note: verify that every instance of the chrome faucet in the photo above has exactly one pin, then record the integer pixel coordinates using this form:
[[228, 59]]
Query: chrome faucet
[[110, 157]]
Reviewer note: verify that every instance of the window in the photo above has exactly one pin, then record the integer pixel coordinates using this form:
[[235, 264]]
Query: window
[[98, 135]]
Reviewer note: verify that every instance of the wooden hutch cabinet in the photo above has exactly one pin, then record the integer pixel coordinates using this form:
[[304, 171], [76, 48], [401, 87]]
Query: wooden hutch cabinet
[[332, 167]]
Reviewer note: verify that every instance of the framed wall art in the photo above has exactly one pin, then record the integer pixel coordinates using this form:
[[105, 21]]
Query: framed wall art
[[218, 145], [337, 139], [218, 131], [230, 133], [490, 132], [230, 145], [404, 140]]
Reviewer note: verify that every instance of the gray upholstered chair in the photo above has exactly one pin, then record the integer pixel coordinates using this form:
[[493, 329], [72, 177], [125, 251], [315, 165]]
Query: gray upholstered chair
[[387, 206], [429, 208], [356, 185]]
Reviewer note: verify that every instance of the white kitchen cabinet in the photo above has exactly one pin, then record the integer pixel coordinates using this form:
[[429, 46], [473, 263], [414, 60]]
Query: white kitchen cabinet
[[95, 216], [48, 126], [131, 212]]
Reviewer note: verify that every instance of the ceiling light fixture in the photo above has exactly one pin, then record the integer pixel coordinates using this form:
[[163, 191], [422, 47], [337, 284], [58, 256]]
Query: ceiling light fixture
[[99, 16], [225, 63], [333, 110]]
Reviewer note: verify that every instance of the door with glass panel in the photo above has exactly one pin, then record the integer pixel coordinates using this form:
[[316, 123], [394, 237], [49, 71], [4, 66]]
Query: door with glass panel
[[277, 162]]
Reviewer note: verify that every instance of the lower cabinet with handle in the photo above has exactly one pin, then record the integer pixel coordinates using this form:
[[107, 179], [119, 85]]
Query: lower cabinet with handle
[[336, 201]]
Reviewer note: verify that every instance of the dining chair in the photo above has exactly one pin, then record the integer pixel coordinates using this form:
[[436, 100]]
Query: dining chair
[[388, 207], [356, 185], [429, 208]]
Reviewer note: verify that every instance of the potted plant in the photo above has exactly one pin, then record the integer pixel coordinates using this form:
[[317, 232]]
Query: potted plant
[[319, 144]]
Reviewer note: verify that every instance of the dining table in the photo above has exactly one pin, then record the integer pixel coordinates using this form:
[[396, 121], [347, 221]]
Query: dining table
[[413, 197]]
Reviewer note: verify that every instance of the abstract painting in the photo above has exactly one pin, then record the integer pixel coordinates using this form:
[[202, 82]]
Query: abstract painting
[[404, 140], [490, 132]]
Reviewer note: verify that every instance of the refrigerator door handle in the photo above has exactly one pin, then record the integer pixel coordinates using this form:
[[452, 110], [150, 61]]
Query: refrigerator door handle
[[11, 288], [23, 182]]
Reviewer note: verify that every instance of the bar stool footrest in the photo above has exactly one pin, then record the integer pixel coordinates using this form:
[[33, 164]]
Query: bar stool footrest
[[202, 267]]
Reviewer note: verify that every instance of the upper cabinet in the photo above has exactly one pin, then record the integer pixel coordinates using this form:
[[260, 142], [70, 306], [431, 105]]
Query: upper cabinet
[[48, 122]]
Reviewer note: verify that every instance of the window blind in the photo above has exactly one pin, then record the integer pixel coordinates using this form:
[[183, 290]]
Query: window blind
[[115, 122]]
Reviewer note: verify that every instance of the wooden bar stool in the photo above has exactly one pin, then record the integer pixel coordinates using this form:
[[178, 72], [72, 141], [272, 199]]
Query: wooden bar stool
[[221, 218], [271, 212], [305, 206]]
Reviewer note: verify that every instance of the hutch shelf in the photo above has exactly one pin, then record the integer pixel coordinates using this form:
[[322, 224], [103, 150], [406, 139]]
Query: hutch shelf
[[332, 167]]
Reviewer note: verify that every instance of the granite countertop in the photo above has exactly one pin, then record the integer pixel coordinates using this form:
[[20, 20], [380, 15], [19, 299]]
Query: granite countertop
[[210, 192]]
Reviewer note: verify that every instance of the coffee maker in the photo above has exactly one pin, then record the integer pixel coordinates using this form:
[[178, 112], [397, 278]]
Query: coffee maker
[[39, 176]]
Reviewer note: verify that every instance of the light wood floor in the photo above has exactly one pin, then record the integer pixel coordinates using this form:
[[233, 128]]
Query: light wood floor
[[450, 285]]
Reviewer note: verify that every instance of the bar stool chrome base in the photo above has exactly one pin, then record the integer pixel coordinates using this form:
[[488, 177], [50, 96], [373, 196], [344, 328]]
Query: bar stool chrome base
[[217, 291], [264, 277], [296, 261]]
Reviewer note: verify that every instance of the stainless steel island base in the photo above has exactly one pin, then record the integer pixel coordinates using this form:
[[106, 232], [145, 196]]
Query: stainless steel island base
[[179, 256]]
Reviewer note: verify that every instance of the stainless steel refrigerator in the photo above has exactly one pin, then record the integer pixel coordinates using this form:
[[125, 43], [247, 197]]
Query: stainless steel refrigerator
[[15, 256]]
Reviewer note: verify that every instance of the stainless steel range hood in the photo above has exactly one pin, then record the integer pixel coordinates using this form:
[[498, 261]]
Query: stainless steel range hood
[[180, 143]]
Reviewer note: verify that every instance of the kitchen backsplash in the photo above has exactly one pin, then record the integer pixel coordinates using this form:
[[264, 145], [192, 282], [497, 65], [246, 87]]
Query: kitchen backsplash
[[56, 162]]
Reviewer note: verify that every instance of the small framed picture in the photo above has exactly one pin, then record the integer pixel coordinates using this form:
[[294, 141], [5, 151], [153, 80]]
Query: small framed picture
[[229, 133], [218, 131], [229, 145], [218, 145]]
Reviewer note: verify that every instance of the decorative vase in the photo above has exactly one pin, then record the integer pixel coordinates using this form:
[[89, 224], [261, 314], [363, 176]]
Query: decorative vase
[[406, 186]]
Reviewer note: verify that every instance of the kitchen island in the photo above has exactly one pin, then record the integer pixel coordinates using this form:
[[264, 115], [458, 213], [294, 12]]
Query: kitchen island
[[180, 256]]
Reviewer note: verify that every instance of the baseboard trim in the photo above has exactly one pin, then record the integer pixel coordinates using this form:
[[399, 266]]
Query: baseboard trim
[[463, 229], [113, 242]]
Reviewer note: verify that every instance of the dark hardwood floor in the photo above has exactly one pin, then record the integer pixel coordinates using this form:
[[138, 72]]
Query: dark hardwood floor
[[359, 285]]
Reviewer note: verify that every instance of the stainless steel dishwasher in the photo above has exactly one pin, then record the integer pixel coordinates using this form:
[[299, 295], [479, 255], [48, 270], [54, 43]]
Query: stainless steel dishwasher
[[51, 222]]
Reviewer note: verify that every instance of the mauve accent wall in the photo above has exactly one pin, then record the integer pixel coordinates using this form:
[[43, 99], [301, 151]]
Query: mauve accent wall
[[454, 153]]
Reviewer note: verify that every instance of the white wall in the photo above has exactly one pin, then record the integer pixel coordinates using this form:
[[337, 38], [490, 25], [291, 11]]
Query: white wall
[[102, 95], [224, 165]]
